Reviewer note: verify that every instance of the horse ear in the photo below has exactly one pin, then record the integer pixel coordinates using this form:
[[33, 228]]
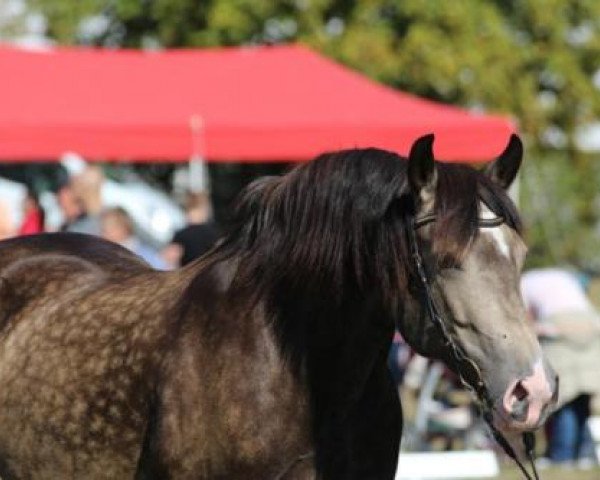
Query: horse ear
[[422, 176], [505, 168]]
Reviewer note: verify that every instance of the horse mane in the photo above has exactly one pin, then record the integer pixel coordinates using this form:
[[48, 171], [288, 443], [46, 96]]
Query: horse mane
[[324, 225], [342, 219], [336, 229]]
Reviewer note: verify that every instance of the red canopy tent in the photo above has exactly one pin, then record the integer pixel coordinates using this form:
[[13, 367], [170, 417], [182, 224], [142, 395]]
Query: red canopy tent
[[256, 104]]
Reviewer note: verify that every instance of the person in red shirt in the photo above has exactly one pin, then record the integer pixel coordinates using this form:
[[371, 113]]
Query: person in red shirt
[[33, 215]]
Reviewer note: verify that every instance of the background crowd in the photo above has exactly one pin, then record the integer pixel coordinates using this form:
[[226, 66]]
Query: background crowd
[[82, 210]]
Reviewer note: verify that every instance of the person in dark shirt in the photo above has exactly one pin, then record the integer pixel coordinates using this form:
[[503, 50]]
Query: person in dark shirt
[[197, 237], [70, 207], [195, 240]]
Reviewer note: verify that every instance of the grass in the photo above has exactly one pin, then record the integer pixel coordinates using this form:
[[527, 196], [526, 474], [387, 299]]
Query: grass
[[554, 473], [509, 471]]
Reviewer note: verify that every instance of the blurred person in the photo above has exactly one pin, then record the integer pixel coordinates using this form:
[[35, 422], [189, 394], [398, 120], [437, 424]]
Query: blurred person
[[569, 330], [398, 357], [33, 215], [117, 226], [7, 229], [70, 207], [87, 190], [197, 237]]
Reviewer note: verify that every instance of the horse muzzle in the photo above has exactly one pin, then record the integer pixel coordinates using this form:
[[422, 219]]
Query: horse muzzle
[[528, 401]]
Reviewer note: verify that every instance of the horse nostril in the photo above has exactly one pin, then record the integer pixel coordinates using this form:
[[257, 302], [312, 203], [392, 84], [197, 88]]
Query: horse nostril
[[519, 404], [520, 392], [528, 400]]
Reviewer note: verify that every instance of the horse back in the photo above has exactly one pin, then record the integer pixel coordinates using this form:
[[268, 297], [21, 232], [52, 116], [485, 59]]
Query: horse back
[[94, 250]]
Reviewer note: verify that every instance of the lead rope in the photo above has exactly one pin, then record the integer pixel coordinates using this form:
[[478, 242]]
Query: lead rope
[[480, 392]]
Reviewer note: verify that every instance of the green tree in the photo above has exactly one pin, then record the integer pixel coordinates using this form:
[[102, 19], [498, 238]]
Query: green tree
[[13, 20], [532, 59]]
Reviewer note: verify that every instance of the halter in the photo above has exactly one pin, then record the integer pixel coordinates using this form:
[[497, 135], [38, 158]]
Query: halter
[[484, 401]]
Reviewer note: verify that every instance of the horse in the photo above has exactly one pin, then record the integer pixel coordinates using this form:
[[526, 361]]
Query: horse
[[266, 358]]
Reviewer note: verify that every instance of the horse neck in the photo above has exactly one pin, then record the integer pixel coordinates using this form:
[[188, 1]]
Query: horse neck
[[331, 331], [331, 344], [334, 345]]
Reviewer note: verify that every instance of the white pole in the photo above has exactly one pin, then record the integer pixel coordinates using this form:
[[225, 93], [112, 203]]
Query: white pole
[[198, 180]]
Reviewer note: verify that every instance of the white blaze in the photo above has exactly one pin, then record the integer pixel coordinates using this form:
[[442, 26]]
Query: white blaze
[[496, 233]]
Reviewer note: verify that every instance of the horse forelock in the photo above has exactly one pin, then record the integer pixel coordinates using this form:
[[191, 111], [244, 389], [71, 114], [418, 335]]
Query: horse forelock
[[460, 192]]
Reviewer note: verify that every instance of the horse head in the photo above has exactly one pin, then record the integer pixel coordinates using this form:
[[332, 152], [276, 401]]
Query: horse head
[[467, 292]]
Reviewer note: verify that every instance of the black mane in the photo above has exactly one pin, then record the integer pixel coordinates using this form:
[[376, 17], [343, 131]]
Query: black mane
[[341, 220]]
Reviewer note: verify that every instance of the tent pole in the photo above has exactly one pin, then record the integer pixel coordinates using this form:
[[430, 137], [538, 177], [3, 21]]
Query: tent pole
[[198, 180]]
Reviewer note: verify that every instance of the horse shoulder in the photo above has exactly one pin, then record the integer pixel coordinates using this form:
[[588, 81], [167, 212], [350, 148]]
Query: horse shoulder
[[226, 399]]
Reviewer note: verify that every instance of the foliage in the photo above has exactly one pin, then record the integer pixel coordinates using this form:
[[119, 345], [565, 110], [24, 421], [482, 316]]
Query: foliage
[[13, 20], [550, 193], [532, 59], [554, 473]]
